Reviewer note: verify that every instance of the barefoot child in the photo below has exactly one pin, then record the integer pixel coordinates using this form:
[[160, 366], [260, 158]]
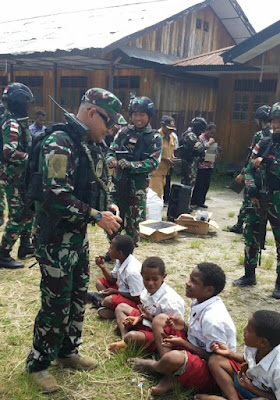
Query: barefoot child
[[136, 324], [124, 284], [208, 321], [259, 376]]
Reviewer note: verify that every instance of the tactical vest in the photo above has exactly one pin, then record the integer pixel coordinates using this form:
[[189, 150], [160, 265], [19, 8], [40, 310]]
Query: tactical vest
[[91, 181], [269, 150], [24, 144], [137, 146]]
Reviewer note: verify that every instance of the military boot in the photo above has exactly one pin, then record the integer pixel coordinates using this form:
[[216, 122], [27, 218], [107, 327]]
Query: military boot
[[249, 279], [6, 261], [25, 247], [45, 380], [1, 218], [78, 362], [237, 228], [276, 291]]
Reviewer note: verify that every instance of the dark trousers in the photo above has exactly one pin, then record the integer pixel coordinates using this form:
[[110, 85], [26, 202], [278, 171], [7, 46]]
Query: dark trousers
[[201, 186], [166, 189]]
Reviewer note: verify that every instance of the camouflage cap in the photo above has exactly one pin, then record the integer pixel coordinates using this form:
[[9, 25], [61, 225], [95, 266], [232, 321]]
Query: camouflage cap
[[106, 100]]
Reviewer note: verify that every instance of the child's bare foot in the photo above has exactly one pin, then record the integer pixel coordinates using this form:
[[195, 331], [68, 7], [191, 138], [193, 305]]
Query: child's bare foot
[[116, 346], [141, 365], [164, 385], [208, 397]]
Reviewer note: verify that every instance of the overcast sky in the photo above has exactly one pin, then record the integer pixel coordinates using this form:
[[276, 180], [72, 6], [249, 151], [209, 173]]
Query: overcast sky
[[260, 13]]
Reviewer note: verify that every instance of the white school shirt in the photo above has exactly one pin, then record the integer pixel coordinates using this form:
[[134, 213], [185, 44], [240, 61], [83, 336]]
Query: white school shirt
[[128, 276], [210, 321], [165, 300], [266, 374]]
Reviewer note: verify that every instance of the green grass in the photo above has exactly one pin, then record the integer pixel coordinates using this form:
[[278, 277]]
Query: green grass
[[268, 262], [231, 214], [241, 259], [195, 244]]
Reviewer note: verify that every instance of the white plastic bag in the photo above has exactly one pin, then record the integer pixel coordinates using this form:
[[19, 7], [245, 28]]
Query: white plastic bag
[[154, 206]]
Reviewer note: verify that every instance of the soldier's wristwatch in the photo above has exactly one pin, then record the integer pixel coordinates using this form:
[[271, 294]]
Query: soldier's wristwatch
[[98, 216]]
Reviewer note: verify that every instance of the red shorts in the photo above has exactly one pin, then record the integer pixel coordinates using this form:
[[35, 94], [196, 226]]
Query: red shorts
[[197, 374], [148, 332], [116, 298]]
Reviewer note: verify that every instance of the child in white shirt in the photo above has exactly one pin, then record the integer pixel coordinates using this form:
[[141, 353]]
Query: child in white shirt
[[256, 373], [136, 324]]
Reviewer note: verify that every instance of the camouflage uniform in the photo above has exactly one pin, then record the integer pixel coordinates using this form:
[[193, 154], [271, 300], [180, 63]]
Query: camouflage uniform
[[191, 153], [131, 183], [16, 139], [60, 237]]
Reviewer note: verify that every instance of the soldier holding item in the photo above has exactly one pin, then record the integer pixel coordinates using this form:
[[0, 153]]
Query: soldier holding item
[[70, 164]]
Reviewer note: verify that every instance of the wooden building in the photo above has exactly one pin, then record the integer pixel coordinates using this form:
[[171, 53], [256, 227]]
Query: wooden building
[[148, 50]]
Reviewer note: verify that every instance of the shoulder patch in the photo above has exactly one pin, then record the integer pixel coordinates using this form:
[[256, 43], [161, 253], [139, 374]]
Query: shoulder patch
[[57, 166]]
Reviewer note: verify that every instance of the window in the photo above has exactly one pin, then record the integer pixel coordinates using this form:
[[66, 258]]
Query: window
[[198, 23], [258, 101], [72, 88], [124, 86], [35, 83], [240, 107], [254, 85], [205, 26]]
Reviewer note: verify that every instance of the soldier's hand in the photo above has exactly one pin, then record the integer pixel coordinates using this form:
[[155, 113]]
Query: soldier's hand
[[109, 222], [239, 179], [257, 162], [113, 164], [124, 164], [115, 209]]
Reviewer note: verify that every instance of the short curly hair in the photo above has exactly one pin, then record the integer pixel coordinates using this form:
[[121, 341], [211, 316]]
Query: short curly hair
[[154, 262], [124, 243], [267, 325], [212, 275]]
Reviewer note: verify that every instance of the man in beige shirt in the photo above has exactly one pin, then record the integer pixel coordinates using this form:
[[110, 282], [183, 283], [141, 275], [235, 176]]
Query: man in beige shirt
[[157, 181]]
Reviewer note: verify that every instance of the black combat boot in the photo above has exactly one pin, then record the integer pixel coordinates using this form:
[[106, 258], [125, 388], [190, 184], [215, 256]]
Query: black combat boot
[[8, 262], [25, 247], [249, 279], [276, 291], [237, 228], [1, 218]]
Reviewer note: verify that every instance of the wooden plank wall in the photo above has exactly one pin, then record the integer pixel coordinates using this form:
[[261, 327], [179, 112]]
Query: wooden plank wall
[[181, 38], [235, 136]]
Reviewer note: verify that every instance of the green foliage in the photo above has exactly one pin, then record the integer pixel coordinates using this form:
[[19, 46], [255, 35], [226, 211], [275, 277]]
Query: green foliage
[[241, 259], [220, 178]]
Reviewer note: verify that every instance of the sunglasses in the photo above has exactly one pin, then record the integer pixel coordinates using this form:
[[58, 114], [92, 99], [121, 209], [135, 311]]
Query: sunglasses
[[108, 121]]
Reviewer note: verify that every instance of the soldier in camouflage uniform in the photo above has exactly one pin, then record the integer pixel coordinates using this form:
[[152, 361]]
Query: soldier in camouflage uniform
[[192, 151], [69, 202], [262, 179], [141, 148], [262, 116], [2, 190], [16, 144]]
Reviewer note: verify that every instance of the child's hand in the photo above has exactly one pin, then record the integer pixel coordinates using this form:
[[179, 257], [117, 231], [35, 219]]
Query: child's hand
[[131, 321], [99, 260], [173, 341], [244, 367], [175, 323], [109, 291], [220, 348], [244, 381], [144, 312]]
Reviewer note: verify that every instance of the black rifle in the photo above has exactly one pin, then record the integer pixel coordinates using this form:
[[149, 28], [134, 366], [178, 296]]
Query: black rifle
[[263, 197]]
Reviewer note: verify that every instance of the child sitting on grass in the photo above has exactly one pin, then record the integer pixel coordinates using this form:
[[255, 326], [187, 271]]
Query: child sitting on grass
[[135, 325], [124, 284], [209, 321], [256, 374]]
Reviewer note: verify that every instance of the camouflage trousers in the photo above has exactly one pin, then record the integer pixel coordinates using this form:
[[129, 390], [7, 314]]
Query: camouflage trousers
[[58, 325], [19, 218], [2, 198], [241, 218], [252, 231], [133, 211], [189, 172]]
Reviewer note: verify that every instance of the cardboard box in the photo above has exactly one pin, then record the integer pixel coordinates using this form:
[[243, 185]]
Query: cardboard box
[[156, 231], [211, 152], [194, 226]]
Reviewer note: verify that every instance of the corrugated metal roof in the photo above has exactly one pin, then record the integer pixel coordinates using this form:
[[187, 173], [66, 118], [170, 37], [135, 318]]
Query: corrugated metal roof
[[135, 53], [211, 58], [108, 24]]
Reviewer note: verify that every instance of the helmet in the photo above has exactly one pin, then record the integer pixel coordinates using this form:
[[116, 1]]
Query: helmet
[[263, 113], [141, 104], [199, 125], [275, 111], [106, 100], [17, 96], [2, 108]]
